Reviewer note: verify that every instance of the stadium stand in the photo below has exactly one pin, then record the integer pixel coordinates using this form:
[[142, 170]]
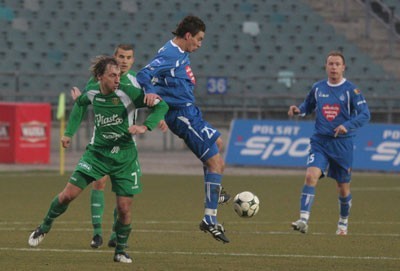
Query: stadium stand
[[264, 48]]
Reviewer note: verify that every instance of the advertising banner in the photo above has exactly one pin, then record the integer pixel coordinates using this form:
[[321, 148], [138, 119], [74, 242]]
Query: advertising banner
[[25, 133], [286, 144]]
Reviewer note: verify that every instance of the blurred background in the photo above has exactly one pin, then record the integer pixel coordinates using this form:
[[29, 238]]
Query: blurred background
[[258, 57]]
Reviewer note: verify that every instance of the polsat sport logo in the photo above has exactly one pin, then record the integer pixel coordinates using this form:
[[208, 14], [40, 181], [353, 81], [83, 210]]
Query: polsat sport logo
[[33, 131]]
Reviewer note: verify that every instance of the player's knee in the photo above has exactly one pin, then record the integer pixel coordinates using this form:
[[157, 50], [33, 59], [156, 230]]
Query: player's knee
[[100, 184], [311, 179], [216, 164], [66, 197]]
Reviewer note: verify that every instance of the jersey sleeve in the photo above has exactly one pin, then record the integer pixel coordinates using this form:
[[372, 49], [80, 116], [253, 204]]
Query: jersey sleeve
[[309, 103], [154, 71], [75, 119], [362, 114]]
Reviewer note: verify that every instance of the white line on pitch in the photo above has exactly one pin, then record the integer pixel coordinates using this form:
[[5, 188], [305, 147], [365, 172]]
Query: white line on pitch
[[191, 232], [191, 253]]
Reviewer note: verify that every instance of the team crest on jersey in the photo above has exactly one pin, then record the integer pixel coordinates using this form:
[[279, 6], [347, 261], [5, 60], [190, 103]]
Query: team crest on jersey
[[330, 111], [190, 74], [357, 91], [115, 101]]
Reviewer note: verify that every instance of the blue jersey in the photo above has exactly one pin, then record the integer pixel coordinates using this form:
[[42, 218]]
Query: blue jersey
[[170, 76], [334, 105]]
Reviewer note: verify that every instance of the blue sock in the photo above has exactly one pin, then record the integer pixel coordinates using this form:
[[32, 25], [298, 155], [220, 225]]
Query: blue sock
[[306, 201], [212, 187], [345, 205]]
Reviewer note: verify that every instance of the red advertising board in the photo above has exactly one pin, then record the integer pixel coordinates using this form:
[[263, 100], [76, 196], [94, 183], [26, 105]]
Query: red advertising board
[[25, 133]]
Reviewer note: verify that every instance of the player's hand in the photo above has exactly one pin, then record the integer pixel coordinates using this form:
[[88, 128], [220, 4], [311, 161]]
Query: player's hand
[[65, 141], [137, 129], [293, 110], [162, 125], [151, 99], [340, 130], [75, 93]]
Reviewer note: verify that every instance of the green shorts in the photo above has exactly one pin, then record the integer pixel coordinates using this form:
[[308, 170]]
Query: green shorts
[[121, 165]]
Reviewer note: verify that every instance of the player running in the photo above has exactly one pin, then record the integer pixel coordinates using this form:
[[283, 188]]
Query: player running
[[340, 109], [112, 150]]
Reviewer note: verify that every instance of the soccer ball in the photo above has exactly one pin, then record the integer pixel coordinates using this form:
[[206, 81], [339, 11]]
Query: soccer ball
[[246, 204]]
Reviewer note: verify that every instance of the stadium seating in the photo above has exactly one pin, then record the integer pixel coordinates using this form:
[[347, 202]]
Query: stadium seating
[[256, 45]]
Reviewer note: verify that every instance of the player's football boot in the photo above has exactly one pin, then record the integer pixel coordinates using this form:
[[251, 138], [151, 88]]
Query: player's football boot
[[36, 237], [97, 241], [112, 243], [224, 197], [341, 229], [300, 225], [122, 257], [217, 231]]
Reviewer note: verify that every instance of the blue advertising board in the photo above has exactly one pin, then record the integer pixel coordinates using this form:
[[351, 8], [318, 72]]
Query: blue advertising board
[[286, 144]]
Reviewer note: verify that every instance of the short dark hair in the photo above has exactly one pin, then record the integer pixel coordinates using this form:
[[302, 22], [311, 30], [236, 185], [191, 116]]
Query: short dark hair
[[100, 63], [191, 24], [125, 47], [336, 53]]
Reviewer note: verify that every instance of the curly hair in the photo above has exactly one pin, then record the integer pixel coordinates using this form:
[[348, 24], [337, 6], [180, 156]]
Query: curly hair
[[99, 65]]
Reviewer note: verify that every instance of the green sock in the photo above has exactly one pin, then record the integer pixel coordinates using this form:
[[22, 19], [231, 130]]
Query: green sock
[[122, 232], [113, 236], [97, 209], [56, 209]]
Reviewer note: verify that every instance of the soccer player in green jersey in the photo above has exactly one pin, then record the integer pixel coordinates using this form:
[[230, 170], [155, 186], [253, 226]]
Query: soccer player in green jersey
[[112, 150], [125, 56]]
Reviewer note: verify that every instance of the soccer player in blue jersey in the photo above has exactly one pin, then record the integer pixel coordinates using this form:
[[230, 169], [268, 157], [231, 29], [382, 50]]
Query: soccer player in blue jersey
[[340, 109], [169, 75]]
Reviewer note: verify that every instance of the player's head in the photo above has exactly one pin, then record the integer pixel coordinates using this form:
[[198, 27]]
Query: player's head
[[190, 33], [335, 66], [125, 55], [106, 71]]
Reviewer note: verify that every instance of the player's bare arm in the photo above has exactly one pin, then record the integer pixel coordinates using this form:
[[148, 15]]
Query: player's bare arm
[[75, 93], [293, 110], [65, 141], [137, 129]]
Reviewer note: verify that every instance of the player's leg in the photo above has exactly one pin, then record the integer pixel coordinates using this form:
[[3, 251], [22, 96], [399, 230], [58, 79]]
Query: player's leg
[[340, 170], [224, 196], [212, 186], [200, 137], [59, 205], [345, 198], [316, 165], [125, 180], [112, 242], [97, 210], [123, 229]]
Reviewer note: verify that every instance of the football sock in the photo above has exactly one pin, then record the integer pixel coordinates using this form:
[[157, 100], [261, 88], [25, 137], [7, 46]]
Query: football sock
[[345, 206], [97, 210], [306, 201], [56, 209], [122, 232], [212, 190], [113, 235]]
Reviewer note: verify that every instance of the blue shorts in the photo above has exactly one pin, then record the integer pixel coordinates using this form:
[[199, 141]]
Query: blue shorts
[[188, 124], [336, 154]]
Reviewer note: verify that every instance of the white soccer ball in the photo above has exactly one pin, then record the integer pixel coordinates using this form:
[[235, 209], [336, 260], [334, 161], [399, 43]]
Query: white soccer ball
[[246, 204]]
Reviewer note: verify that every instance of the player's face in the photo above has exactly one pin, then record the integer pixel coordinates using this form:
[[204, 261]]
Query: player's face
[[194, 42], [335, 68], [109, 81], [125, 59]]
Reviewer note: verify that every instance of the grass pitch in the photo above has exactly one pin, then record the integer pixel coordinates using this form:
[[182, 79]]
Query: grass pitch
[[165, 232]]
